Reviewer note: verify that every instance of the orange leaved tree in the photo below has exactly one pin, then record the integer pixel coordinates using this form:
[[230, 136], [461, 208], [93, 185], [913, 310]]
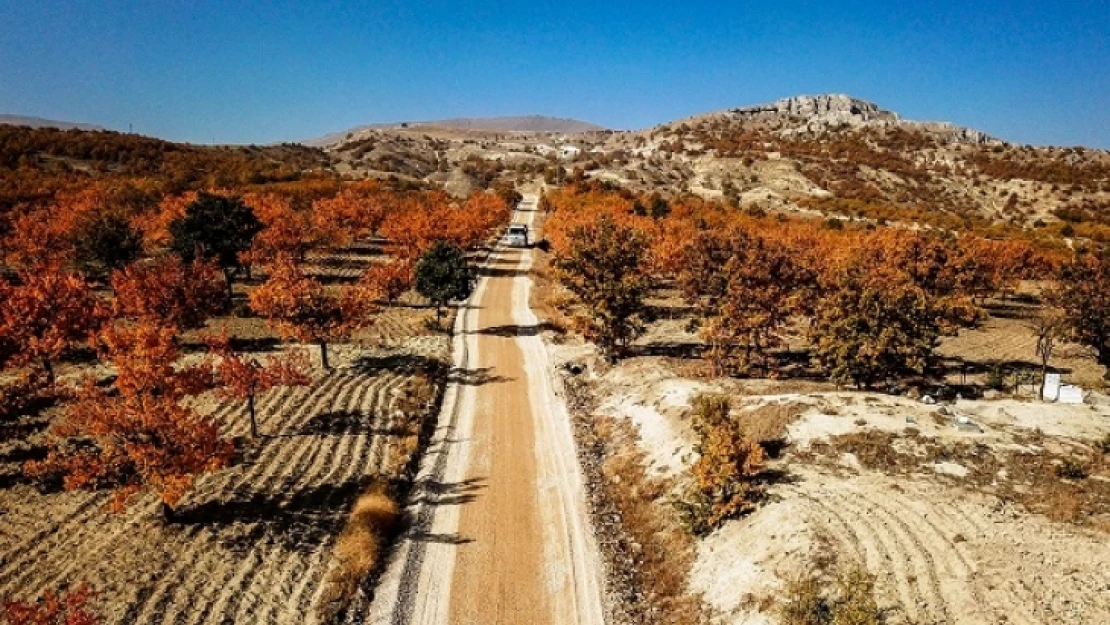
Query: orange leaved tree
[[286, 229], [46, 313], [387, 281], [303, 309], [142, 435], [169, 291], [244, 377], [53, 608], [746, 286], [605, 264]]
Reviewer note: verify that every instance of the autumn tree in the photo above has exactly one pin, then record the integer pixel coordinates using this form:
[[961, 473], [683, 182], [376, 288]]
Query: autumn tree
[[141, 434], [356, 212], [1084, 296], [286, 229], [44, 314], [605, 265], [215, 227], [882, 310], [69, 607], [37, 238], [244, 377], [746, 287], [1048, 327], [105, 242], [302, 309], [727, 468], [443, 275], [416, 223], [387, 281], [468, 224], [169, 292]]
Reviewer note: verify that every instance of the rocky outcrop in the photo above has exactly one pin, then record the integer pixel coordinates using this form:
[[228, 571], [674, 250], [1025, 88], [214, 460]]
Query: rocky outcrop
[[818, 111], [953, 133], [809, 114]]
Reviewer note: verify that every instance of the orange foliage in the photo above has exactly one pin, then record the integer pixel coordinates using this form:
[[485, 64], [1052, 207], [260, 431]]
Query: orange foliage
[[354, 213], [387, 281], [425, 218], [302, 309], [244, 377], [155, 224], [142, 436], [168, 291], [44, 314], [53, 608], [286, 230]]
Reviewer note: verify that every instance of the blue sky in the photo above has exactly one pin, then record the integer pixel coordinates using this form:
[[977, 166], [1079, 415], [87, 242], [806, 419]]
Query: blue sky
[[241, 72]]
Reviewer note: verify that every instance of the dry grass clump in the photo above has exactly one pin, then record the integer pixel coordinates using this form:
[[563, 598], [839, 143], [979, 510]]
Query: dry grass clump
[[663, 552], [848, 601], [360, 548], [768, 423]]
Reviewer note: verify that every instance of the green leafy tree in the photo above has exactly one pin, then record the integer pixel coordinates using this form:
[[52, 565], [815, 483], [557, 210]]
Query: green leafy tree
[[215, 227], [1084, 296], [106, 242], [443, 275], [605, 265], [882, 311]]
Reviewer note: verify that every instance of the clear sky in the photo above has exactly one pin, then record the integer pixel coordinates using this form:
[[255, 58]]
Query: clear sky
[[241, 72]]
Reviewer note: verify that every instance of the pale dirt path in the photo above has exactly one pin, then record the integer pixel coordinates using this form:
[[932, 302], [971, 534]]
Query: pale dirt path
[[501, 532]]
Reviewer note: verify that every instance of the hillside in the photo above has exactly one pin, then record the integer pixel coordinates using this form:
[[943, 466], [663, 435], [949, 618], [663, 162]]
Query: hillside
[[831, 156], [38, 122], [506, 124], [36, 163], [826, 155]]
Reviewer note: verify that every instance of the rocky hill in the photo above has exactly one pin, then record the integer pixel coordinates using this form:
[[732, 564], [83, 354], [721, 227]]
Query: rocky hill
[[825, 155]]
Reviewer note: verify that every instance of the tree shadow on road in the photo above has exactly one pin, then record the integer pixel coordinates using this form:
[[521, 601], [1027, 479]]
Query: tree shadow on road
[[512, 331], [479, 376]]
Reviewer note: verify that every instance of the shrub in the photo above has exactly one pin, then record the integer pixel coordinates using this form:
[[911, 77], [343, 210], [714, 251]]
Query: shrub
[[725, 473], [1071, 469]]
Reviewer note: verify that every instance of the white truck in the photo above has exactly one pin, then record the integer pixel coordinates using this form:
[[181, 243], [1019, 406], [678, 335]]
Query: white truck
[[517, 235]]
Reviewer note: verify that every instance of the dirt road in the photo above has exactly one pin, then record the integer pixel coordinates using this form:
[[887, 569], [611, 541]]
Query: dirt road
[[501, 531]]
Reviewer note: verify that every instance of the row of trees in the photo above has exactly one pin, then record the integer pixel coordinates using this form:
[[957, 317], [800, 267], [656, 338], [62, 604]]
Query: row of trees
[[142, 431], [873, 303]]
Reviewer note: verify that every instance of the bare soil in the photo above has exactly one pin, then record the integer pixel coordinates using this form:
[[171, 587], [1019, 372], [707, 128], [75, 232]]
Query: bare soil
[[253, 542], [965, 511]]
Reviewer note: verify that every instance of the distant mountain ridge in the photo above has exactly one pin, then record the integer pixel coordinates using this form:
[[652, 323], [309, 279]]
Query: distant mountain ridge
[[513, 123], [39, 122]]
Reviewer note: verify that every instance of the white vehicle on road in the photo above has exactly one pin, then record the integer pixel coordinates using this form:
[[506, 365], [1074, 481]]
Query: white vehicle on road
[[517, 235]]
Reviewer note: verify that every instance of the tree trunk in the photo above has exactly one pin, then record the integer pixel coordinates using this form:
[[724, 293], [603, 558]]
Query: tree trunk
[[250, 409], [324, 355], [48, 367], [230, 291]]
